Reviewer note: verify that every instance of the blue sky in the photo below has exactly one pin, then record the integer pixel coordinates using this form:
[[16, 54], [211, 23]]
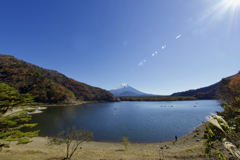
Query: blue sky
[[108, 42]]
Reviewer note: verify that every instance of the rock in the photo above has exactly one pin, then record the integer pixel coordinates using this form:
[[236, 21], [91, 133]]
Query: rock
[[198, 140], [197, 130], [194, 136], [197, 133]]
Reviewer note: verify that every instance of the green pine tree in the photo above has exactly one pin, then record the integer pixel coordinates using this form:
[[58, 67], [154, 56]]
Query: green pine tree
[[11, 124], [10, 97]]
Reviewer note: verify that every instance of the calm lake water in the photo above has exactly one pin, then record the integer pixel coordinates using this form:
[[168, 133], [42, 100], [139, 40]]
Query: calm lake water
[[141, 122]]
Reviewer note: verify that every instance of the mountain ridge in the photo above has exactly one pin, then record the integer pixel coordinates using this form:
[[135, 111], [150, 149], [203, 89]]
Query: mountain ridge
[[49, 85], [208, 92]]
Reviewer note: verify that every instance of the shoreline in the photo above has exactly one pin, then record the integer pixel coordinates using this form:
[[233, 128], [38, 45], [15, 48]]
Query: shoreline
[[43, 107], [64, 104], [189, 146], [38, 108], [196, 128]]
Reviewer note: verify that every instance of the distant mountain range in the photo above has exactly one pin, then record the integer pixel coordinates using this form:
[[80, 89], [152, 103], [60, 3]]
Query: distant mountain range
[[53, 87], [126, 90], [209, 92]]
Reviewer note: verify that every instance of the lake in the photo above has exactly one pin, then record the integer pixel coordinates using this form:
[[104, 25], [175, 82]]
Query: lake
[[141, 122]]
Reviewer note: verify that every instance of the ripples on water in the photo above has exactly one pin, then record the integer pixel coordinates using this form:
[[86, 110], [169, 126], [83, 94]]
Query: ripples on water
[[140, 121]]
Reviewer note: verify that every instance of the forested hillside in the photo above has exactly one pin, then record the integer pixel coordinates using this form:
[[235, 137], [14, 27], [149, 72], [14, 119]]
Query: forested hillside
[[48, 85], [193, 92], [209, 92]]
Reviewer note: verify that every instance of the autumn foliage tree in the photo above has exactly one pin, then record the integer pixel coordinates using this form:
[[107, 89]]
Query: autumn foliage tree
[[229, 96], [234, 87], [224, 128]]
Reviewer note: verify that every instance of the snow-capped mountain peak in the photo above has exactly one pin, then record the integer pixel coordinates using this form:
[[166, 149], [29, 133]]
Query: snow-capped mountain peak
[[126, 90], [123, 85]]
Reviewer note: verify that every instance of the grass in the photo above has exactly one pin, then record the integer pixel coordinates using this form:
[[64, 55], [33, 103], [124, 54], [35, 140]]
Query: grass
[[32, 152], [191, 150]]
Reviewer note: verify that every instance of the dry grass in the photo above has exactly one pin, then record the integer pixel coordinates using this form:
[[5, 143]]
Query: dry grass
[[192, 149]]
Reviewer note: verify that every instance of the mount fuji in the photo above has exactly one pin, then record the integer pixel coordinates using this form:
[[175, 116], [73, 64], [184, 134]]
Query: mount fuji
[[126, 90]]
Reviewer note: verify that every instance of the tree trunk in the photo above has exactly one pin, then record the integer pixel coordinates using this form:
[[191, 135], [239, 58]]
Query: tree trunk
[[67, 150], [75, 149], [5, 110]]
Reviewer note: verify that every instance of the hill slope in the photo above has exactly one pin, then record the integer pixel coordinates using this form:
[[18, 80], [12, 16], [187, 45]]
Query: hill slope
[[195, 91], [209, 92], [50, 86]]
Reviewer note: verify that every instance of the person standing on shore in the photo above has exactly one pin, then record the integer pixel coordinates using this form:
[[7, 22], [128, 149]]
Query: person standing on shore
[[175, 138]]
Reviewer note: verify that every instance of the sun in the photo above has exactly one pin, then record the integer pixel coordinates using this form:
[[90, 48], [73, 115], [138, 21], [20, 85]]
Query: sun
[[233, 3], [227, 10], [223, 8]]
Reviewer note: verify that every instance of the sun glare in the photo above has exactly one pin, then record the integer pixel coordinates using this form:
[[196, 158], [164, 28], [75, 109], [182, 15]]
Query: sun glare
[[221, 10], [233, 3]]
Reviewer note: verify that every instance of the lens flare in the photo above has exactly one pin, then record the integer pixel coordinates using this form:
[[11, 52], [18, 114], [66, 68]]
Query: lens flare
[[178, 36], [217, 12], [142, 63]]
